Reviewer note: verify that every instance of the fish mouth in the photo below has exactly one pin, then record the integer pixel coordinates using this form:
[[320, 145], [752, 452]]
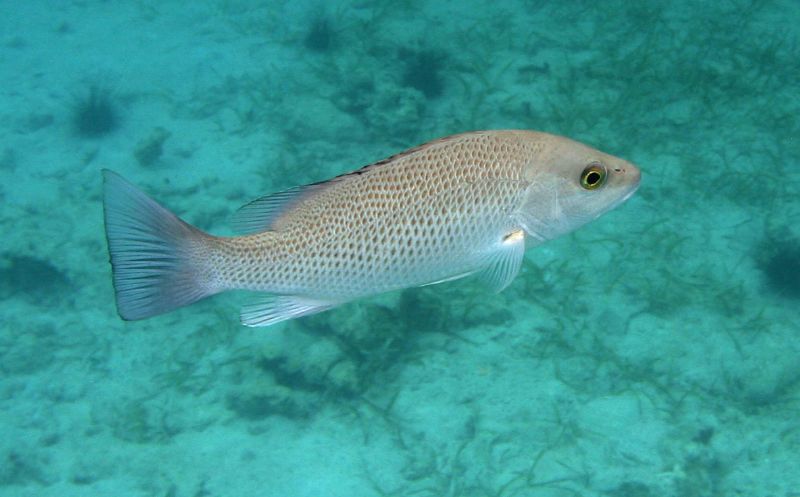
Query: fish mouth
[[632, 189], [634, 177]]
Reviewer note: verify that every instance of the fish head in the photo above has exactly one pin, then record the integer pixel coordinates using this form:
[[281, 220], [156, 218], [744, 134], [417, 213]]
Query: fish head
[[570, 184]]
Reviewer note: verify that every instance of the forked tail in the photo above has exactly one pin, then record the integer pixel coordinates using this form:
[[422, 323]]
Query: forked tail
[[157, 259]]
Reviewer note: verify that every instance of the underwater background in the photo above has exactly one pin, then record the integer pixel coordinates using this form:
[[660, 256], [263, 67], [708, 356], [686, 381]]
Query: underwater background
[[652, 353]]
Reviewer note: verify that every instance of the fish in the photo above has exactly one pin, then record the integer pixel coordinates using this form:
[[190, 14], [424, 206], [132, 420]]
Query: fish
[[462, 205]]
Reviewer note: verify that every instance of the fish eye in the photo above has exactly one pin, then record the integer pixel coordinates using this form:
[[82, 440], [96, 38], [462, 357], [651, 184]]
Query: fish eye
[[593, 176]]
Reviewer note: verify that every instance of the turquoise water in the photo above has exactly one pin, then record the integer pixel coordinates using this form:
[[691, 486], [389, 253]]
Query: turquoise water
[[651, 353]]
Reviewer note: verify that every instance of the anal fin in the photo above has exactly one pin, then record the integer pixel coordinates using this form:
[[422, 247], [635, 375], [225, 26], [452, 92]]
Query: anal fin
[[270, 309]]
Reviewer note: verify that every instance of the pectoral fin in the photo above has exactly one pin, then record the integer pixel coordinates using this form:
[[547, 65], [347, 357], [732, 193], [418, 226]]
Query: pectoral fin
[[505, 261]]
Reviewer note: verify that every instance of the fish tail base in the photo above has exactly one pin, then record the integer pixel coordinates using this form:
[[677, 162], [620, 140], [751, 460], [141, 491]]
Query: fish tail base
[[154, 254]]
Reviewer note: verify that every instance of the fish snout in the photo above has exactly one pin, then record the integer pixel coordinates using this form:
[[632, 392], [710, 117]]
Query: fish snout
[[634, 175], [628, 175]]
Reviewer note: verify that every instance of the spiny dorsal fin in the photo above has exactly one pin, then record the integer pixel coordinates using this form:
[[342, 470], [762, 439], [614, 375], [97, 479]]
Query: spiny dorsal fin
[[261, 214]]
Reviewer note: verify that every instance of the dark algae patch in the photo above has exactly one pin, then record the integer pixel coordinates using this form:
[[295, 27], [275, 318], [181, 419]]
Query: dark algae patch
[[26, 276], [779, 261], [320, 34], [422, 70], [95, 114]]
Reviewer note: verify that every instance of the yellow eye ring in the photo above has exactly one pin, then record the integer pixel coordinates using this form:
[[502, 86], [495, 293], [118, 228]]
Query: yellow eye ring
[[593, 176]]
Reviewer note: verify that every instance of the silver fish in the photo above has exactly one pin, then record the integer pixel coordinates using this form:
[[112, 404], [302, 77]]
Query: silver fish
[[461, 205]]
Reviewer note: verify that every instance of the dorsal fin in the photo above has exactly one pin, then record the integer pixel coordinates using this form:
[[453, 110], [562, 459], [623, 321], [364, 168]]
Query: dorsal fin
[[404, 153], [260, 214]]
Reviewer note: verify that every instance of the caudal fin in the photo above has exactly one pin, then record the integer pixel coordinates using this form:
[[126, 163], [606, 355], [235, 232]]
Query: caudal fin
[[154, 255]]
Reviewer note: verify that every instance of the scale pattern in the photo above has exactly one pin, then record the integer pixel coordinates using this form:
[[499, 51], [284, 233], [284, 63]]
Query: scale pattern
[[431, 213]]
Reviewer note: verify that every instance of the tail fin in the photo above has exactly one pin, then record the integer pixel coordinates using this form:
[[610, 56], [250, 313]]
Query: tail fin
[[153, 253]]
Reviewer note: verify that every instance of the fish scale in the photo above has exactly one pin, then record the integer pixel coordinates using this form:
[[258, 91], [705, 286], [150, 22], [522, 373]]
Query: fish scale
[[460, 205], [393, 237]]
